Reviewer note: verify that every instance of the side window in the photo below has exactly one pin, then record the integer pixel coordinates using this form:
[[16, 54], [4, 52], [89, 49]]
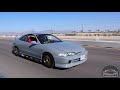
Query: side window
[[32, 37], [24, 38]]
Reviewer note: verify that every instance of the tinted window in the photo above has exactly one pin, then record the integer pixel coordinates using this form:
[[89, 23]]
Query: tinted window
[[47, 38]]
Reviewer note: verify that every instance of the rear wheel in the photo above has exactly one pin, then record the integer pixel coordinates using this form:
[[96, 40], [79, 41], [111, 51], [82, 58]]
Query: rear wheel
[[48, 60], [16, 51]]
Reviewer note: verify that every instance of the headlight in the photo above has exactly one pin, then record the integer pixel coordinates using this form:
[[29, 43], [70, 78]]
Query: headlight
[[66, 54], [71, 54], [62, 54]]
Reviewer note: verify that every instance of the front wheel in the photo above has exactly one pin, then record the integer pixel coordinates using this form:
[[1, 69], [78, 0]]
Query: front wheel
[[48, 60], [16, 51]]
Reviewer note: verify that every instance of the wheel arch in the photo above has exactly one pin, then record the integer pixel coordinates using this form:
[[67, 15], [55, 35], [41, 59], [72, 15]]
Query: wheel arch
[[16, 46], [44, 53]]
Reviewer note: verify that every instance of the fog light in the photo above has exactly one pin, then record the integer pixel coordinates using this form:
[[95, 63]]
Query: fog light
[[69, 61]]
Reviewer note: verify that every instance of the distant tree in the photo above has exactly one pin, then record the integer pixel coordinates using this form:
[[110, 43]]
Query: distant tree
[[89, 30], [104, 35], [90, 35], [98, 30]]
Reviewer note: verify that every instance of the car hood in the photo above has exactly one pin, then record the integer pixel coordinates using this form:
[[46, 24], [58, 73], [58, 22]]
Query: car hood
[[66, 46]]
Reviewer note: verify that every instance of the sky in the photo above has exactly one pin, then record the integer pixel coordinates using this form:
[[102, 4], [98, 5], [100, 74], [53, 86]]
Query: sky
[[58, 21]]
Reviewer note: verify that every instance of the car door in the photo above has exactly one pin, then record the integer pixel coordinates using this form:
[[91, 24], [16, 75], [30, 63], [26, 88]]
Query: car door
[[31, 49], [35, 48], [24, 45]]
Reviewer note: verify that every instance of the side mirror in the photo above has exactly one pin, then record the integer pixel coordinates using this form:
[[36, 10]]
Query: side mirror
[[33, 42]]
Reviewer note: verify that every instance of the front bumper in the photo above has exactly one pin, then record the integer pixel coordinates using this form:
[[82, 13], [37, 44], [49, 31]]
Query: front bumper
[[64, 62]]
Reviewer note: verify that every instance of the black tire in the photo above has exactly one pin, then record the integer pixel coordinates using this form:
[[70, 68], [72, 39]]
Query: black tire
[[48, 60], [16, 51]]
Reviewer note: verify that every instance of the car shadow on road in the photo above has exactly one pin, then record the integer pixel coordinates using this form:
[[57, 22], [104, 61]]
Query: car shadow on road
[[57, 68], [31, 59]]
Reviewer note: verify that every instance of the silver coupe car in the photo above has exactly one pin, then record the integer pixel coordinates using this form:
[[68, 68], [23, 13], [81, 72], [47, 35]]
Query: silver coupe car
[[49, 50]]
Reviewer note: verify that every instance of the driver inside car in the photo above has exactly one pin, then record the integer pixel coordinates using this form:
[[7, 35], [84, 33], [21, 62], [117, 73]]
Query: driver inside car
[[29, 40]]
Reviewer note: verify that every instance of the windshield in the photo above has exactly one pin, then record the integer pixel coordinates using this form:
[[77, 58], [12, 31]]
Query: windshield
[[48, 38]]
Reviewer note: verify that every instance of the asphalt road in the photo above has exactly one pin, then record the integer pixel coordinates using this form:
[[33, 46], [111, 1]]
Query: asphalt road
[[17, 67], [99, 43]]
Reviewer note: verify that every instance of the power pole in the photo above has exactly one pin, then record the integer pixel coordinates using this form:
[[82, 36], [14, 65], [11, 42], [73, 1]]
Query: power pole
[[51, 30], [82, 27]]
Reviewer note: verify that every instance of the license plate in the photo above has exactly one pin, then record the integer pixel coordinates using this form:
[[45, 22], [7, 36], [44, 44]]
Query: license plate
[[82, 57]]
